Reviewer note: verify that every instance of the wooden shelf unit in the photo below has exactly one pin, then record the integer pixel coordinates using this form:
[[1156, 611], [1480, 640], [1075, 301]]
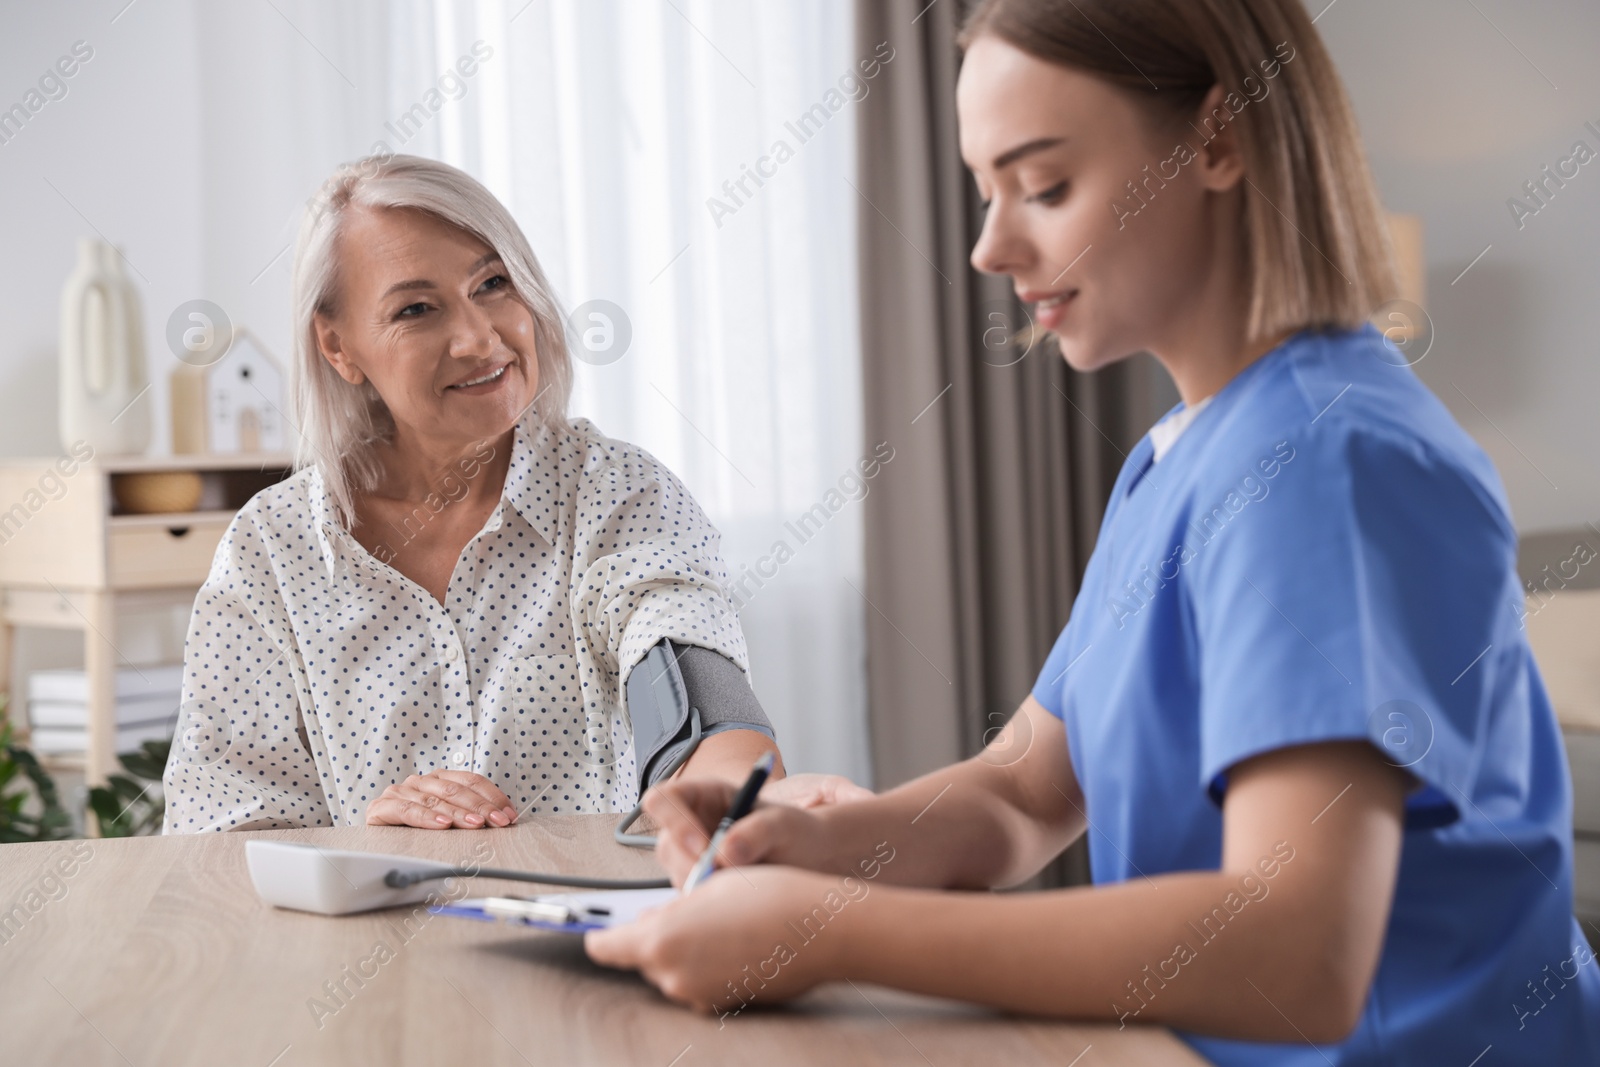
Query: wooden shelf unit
[[70, 560]]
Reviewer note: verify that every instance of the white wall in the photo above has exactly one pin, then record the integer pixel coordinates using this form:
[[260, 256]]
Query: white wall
[[123, 149], [123, 153], [1456, 117], [283, 106]]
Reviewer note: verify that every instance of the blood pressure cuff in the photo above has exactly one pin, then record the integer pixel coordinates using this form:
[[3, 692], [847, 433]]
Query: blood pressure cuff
[[679, 695]]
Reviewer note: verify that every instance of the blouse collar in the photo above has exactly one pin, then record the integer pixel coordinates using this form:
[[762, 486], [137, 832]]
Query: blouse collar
[[537, 484]]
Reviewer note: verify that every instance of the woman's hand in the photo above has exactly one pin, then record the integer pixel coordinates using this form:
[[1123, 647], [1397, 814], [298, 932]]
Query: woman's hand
[[686, 812], [814, 790], [742, 935], [442, 800]]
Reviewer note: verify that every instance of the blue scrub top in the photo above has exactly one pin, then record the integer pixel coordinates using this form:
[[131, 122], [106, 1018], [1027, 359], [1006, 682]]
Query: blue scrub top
[[1326, 555]]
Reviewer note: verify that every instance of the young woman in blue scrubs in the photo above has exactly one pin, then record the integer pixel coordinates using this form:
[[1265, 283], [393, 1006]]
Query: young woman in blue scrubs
[[1294, 708]]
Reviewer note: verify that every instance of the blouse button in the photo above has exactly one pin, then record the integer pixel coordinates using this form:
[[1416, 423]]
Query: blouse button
[[452, 653], [458, 758]]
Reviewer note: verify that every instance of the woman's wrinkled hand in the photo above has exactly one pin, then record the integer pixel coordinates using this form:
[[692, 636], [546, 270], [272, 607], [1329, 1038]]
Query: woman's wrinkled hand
[[442, 800], [814, 790]]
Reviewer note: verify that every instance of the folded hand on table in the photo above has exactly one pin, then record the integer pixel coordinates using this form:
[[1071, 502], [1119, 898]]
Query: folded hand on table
[[442, 800]]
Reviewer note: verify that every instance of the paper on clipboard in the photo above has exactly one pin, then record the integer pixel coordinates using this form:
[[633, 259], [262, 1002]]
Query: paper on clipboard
[[570, 913]]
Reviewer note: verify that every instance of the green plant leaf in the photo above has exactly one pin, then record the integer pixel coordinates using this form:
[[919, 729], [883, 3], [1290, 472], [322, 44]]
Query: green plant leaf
[[53, 822], [150, 762], [108, 812]]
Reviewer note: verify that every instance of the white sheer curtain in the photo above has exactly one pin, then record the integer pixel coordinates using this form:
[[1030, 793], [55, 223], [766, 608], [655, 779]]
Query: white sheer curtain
[[607, 126]]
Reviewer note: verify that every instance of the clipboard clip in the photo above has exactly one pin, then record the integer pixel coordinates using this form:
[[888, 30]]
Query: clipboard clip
[[523, 909]]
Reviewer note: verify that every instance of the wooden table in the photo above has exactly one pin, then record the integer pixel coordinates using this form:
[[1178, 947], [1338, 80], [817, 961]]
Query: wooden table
[[157, 951]]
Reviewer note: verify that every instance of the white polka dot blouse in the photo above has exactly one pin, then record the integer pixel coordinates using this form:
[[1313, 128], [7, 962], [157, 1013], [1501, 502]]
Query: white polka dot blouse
[[315, 675]]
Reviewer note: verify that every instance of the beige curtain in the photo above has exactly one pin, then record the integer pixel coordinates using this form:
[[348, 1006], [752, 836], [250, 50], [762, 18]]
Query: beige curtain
[[978, 531]]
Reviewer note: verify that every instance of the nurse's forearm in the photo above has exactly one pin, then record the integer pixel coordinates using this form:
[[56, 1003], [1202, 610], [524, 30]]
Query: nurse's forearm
[[1127, 953], [1281, 944], [963, 827], [993, 820]]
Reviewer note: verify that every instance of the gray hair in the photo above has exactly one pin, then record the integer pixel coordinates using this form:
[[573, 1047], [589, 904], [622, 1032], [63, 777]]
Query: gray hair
[[341, 423]]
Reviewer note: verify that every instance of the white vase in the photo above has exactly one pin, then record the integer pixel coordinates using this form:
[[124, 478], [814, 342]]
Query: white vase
[[103, 378]]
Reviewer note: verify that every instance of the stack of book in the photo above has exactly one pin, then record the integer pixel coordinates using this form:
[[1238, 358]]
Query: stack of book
[[147, 700]]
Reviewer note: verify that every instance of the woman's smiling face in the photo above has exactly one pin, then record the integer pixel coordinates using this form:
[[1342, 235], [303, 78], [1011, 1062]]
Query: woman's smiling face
[[1053, 149], [427, 314]]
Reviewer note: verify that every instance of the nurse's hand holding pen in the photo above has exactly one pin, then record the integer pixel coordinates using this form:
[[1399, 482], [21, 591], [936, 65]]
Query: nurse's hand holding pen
[[686, 813], [696, 947], [805, 884]]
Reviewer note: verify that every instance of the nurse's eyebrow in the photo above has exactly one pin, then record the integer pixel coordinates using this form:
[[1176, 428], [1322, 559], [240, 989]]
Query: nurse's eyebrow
[[423, 283], [1039, 144]]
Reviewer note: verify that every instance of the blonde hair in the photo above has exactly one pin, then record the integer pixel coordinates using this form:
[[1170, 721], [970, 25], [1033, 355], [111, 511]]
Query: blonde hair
[[1309, 180], [341, 423]]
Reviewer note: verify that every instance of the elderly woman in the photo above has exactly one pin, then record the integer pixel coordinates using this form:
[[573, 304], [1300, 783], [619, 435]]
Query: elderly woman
[[433, 622]]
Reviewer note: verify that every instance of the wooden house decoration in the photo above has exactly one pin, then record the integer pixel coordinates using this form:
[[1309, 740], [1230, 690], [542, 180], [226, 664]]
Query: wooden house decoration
[[236, 404]]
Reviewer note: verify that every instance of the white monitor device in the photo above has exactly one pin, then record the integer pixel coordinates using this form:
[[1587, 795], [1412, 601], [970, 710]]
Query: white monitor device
[[331, 882]]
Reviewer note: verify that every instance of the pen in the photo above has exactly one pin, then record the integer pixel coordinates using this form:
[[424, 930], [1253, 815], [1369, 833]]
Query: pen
[[743, 801]]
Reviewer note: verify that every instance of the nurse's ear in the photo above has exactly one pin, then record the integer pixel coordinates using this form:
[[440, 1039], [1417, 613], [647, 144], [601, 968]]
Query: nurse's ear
[[1220, 163]]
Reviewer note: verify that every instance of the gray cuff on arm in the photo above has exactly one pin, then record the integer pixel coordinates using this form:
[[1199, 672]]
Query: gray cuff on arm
[[680, 694]]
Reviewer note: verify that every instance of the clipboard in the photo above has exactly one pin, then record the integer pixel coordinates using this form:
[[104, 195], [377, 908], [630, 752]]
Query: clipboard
[[566, 913]]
